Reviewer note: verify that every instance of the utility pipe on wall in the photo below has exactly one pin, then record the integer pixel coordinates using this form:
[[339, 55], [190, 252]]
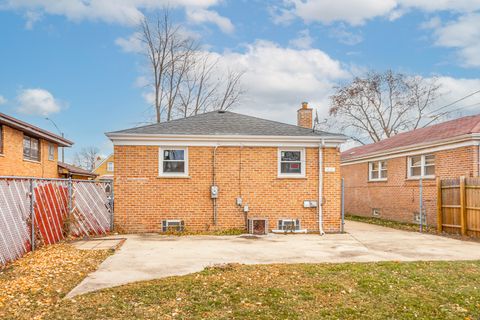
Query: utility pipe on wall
[[214, 181], [320, 188]]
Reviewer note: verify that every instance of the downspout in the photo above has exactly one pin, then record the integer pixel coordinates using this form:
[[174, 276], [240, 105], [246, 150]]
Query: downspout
[[320, 188], [213, 184]]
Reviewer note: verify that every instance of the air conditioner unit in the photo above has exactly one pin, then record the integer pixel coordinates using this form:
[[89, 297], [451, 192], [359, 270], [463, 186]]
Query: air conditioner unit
[[173, 225]]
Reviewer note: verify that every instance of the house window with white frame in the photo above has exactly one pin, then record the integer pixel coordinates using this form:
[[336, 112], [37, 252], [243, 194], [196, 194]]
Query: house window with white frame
[[421, 166], [377, 171], [173, 161], [110, 166], [291, 162], [51, 152]]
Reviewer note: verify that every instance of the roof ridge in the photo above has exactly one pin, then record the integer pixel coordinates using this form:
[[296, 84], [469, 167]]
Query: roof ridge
[[430, 133]]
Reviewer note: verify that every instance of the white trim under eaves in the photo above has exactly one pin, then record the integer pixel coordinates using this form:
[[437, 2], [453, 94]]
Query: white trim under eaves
[[472, 140], [225, 140]]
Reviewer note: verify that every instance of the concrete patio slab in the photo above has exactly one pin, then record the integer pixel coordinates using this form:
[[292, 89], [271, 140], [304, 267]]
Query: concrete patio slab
[[99, 244], [151, 256]]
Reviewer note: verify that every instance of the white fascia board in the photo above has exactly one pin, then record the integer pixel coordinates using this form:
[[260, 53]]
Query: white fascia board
[[225, 140], [459, 142]]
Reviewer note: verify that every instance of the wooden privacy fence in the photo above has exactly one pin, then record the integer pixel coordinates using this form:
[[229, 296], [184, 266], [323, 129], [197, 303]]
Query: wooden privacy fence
[[458, 206]]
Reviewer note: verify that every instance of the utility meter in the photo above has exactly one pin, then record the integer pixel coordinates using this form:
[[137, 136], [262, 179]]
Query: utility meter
[[214, 192]]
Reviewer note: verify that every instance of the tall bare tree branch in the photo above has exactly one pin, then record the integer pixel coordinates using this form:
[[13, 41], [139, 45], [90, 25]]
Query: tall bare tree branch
[[380, 105], [185, 80]]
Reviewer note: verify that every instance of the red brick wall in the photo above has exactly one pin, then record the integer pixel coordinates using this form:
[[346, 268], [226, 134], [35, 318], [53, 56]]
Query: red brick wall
[[143, 200], [398, 198], [13, 164]]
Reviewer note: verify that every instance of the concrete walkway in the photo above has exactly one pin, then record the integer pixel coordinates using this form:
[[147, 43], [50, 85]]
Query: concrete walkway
[[145, 257]]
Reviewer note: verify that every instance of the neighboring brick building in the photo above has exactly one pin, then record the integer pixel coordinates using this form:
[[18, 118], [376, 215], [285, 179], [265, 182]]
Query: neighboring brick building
[[266, 170], [382, 179], [26, 150]]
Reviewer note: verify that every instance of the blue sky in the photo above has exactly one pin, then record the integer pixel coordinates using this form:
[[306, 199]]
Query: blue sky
[[74, 61]]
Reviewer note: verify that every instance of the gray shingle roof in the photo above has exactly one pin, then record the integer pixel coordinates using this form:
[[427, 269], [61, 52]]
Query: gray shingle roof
[[225, 123]]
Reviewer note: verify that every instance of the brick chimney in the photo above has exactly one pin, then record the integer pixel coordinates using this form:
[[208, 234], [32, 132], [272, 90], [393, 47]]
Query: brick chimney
[[305, 116]]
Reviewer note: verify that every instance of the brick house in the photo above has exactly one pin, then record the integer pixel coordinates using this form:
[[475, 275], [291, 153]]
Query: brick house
[[26, 150], [383, 179], [222, 170]]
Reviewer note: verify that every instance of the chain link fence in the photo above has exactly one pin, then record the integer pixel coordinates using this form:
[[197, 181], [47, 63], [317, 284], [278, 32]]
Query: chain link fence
[[36, 212]]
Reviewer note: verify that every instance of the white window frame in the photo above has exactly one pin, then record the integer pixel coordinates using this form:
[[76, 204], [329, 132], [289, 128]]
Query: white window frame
[[108, 166], [422, 167], [380, 168], [172, 174], [51, 156], [302, 163]]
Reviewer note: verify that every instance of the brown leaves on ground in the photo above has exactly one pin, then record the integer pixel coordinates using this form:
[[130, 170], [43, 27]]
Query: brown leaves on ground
[[31, 286]]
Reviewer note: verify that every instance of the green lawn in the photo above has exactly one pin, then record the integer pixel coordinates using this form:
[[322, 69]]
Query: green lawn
[[425, 290], [34, 287]]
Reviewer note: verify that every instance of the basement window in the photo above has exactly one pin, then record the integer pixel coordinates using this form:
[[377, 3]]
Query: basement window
[[291, 163], [289, 225], [173, 162], [173, 225]]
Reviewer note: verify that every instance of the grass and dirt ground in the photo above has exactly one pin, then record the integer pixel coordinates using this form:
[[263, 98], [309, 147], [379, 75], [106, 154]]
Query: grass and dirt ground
[[34, 287]]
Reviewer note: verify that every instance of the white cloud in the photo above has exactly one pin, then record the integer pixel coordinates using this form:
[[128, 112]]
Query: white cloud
[[3, 100], [303, 40], [344, 36], [126, 12], [453, 89], [199, 16], [132, 43], [278, 79], [37, 102], [357, 12], [354, 12], [462, 34]]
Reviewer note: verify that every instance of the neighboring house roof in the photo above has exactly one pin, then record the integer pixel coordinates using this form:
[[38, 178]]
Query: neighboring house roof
[[99, 163], [437, 133], [73, 170], [224, 123], [34, 131]]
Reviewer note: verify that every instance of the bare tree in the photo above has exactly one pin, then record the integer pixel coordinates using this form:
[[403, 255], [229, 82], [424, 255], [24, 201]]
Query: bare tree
[[380, 105], [86, 158], [185, 80]]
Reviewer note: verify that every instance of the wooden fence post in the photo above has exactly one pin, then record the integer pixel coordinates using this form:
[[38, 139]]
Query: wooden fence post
[[463, 209], [439, 206]]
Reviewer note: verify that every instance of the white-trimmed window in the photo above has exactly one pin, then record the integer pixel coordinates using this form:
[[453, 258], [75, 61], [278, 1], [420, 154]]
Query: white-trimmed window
[[173, 161], [110, 166], [51, 152], [291, 162], [421, 166], [377, 171]]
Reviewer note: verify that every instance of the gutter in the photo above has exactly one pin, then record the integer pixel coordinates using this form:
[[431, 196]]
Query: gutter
[[320, 188]]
